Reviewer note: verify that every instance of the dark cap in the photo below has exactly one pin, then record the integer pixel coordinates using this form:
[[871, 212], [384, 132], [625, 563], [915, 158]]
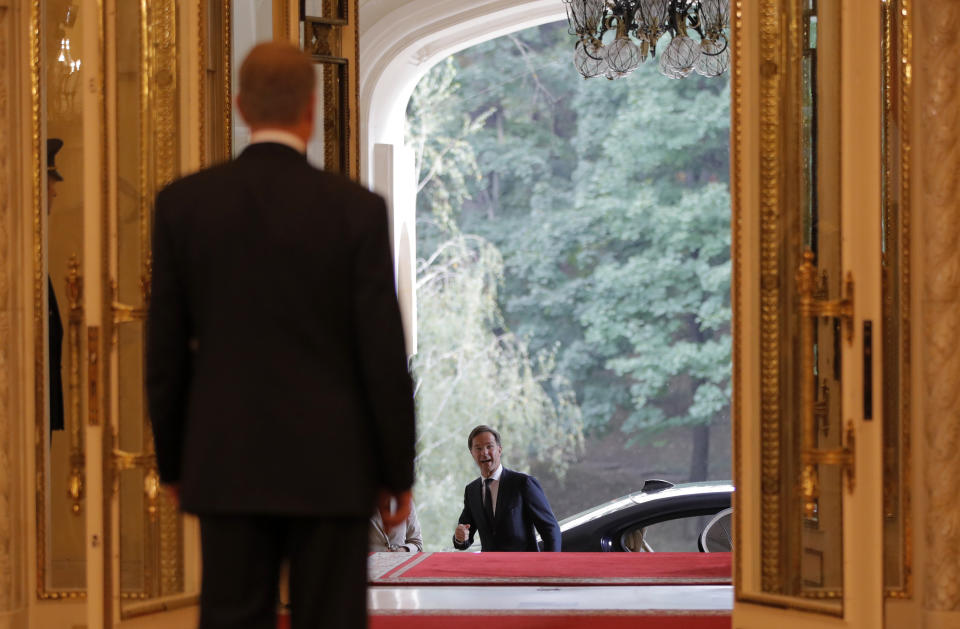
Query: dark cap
[[53, 146]]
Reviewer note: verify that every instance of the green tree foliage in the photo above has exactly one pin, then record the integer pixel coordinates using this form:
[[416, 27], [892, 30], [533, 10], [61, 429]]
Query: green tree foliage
[[470, 371], [438, 129], [608, 202]]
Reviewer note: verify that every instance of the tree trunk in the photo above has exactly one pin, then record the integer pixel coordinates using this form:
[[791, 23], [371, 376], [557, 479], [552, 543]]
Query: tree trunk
[[700, 453]]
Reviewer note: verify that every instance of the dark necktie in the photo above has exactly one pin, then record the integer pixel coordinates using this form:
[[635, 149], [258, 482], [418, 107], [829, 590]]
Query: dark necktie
[[488, 499]]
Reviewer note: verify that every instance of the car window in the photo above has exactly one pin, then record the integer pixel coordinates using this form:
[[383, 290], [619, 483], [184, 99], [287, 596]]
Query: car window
[[717, 536], [669, 536]]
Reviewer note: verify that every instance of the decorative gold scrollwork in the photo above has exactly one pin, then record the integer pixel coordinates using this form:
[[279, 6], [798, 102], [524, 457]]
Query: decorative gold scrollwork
[[811, 309], [75, 483], [125, 313], [93, 375], [124, 460], [75, 480]]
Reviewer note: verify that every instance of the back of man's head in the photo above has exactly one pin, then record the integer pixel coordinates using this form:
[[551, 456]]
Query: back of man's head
[[276, 85]]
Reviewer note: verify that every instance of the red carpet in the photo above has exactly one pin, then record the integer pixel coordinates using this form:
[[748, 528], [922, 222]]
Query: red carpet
[[560, 569], [547, 569]]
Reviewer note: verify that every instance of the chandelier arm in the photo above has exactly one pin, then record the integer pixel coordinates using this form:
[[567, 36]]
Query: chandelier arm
[[696, 21], [726, 44], [586, 48], [606, 25], [697, 29]]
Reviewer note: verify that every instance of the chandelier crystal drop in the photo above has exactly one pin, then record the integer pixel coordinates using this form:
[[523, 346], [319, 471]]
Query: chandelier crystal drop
[[714, 58], [615, 36], [589, 60], [623, 56]]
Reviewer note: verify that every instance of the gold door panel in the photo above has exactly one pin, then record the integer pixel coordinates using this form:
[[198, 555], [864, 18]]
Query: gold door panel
[[822, 365]]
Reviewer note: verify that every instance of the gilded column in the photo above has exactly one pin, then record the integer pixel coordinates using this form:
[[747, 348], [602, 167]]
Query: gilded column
[[937, 67], [7, 547]]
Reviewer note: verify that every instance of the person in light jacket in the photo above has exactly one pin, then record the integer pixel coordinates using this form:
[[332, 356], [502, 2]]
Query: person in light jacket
[[405, 537]]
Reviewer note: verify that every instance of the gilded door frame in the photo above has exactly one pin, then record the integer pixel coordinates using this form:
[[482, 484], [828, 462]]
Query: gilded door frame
[[36, 220], [766, 35]]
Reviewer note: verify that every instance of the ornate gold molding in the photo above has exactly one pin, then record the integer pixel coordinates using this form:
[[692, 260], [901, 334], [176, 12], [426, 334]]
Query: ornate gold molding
[[227, 53], [737, 200], [6, 465], [905, 66], [202, 17], [938, 92], [898, 93], [770, 297], [351, 123], [160, 164], [38, 310], [75, 482], [281, 26], [171, 546], [165, 94]]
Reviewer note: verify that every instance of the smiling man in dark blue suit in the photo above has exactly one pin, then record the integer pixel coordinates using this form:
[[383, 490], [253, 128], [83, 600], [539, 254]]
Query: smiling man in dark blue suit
[[508, 508]]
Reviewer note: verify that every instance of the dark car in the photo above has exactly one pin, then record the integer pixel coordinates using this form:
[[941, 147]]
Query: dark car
[[663, 517]]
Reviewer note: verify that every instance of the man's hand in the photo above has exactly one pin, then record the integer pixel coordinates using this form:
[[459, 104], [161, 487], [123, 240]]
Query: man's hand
[[462, 532], [394, 508]]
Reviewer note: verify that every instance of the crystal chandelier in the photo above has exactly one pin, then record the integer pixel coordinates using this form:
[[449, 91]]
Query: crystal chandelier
[[67, 70], [616, 36]]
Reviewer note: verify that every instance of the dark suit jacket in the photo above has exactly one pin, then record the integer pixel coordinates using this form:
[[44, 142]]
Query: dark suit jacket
[[276, 371], [55, 330], [521, 508]]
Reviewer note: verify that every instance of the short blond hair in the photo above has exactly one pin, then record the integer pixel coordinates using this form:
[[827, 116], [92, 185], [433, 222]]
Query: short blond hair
[[276, 84]]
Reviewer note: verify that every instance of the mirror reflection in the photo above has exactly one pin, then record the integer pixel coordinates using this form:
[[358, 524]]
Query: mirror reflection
[[148, 149], [150, 531], [896, 308], [821, 572], [325, 9], [134, 531], [252, 23], [62, 515], [802, 519]]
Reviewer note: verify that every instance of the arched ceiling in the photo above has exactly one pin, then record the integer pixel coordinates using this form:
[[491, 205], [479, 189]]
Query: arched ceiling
[[401, 39]]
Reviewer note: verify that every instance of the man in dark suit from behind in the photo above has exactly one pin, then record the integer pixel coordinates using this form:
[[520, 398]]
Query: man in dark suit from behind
[[508, 508], [277, 379]]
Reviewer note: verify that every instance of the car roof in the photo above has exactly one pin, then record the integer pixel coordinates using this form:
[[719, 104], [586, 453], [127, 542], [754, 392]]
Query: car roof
[[641, 497]]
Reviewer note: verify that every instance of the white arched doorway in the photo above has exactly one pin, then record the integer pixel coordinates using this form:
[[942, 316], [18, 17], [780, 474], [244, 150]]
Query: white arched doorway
[[400, 40]]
